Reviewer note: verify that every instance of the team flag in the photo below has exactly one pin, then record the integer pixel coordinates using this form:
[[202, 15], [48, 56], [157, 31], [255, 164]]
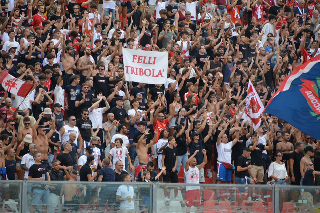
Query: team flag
[[254, 106], [13, 85], [305, 55], [297, 99]]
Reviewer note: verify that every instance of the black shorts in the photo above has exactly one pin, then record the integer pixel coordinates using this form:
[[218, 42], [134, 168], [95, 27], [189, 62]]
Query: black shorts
[[208, 147], [173, 176]]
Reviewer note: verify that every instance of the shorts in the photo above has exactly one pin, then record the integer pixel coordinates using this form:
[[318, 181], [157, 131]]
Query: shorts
[[38, 194], [258, 173], [245, 180], [172, 123], [172, 176], [71, 205], [193, 198], [280, 182], [223, 174], [146, 201]]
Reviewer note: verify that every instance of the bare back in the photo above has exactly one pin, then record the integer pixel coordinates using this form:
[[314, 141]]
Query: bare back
[[69, 190]]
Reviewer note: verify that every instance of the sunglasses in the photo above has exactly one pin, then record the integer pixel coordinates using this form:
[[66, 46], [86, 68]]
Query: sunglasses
[[279, 155], [310, 164], [12, 124], [73, 119], [85, 114], [94, 144], [26, 123]]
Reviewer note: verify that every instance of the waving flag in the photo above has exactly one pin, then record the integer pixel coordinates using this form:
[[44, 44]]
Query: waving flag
[[297, 100], [14, 85], [254, 106], [306, 56]]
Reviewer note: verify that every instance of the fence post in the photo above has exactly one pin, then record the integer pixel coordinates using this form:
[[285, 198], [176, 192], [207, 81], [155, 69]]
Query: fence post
[[24, 196], [154, 197], [276, 198]]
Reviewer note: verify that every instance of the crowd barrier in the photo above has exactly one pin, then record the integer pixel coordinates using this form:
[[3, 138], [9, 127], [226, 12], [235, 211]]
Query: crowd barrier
[[18, 196]]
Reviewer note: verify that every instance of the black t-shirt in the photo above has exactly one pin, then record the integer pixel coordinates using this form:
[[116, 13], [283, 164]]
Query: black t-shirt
[[36, 171], [84, 128], [201, 60], [72, 92], [170, 157], [119, 114], [243, 162], [237, 149], [109, 175], [172, 8], [317, 161], [154, 93], [118, 177], [256, 155], [308, 179], [101, 85], [37, 109], [274, 10], [146, 38], [65, 159], [84, 171], [10, 168], [54, 138], [181, 144], [296, 163], [135, 17], [244, 48], [86, 104], [136, 90]]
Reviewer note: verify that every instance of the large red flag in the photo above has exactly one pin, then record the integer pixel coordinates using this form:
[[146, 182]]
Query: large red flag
[[254, 106], [13, 85]]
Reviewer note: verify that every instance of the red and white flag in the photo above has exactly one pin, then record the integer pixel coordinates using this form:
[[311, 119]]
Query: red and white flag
[[254, 106], [14, 85], [306, 56]]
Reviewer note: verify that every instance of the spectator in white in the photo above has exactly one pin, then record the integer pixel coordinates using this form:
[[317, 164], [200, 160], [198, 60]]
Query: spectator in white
[[269, 27], [67, 129], [185, 43], [159, 6], [119, 153], [116, 30], [278, 173], [10, 44], [192, 170], [96, 113], [83, 159], [96, 151], [134, 109], [125, 195], [123, 135], [59, 92], [28, 160], [224, 149]]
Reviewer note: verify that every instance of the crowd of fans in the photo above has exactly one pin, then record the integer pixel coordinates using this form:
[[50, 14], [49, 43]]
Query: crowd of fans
[[83, 118]]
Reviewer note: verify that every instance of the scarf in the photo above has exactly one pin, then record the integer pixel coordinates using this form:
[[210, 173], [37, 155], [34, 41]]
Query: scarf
[[236, 14], [259, 12]]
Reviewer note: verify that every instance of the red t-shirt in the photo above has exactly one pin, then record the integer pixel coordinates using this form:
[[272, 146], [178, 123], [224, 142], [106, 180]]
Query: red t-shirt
[[37, 20], [235, 13], [194, 94], [311, 7], [256, 12], [160, 126]]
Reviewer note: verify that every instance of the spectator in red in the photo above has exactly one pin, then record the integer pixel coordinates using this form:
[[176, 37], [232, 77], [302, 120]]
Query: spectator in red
[[38, 18], [8, 108]]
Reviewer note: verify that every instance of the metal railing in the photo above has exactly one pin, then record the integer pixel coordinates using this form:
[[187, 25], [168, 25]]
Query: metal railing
[[22, 196]]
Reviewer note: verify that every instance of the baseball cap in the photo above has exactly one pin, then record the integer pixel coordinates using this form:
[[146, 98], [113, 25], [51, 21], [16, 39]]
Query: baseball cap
[[12, 45], [32, 146], [89, 149], [195, 133], [27, 138], [57, 105]]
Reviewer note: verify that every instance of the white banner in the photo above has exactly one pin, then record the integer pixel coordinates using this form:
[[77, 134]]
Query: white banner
[[148, 67]]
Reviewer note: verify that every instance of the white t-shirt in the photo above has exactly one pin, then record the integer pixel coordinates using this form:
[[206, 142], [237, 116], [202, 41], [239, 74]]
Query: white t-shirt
[[59, 95], [109, 4], [118, 154], [67, 131], [96, 117], [159, 6], [169, 80], [123, 137], [192, 177], [191, 7], [6, 46], [133, 112], [161, 142], [28, 160], [112, 31], [82, 160], [277, 170], [126, 191], [185, 45], [224, 152], [96, 153], [262, 140]]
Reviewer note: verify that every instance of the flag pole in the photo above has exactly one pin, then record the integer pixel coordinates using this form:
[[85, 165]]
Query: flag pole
[[24, 98]]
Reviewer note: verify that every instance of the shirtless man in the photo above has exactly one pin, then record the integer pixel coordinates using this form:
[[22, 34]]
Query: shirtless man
[[305, 161], [70, 192], [86, 63], [25, 130], [3, 149], [67, 59], [142, 147], [41, 139], [285, 146]]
